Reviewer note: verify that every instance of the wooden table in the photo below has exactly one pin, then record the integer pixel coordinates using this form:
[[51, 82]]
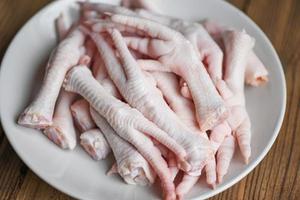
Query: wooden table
[[276, 177]]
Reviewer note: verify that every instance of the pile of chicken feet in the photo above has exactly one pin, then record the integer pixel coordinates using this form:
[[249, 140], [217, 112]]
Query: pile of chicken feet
[[163, 94]]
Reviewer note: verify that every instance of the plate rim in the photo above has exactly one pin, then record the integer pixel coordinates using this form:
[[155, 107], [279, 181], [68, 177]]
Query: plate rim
[[214, 192]]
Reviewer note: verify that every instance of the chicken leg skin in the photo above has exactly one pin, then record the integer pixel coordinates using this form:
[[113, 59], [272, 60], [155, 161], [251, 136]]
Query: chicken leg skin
[[80, 110], [256, 73], [167, 46], [95, 144], [127, 122], [134, 87], [40, 112], [130, 164], [237, 47], [184, 108]]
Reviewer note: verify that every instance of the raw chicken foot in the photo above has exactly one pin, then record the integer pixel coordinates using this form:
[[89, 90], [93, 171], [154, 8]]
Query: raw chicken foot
[[184, 108], [169, 48], [256, 73], [134, 87], [209, 51], [95, 144], [81, 114], [62, 131], [39, 113], [127, 122], [131, 166], [238, 46]]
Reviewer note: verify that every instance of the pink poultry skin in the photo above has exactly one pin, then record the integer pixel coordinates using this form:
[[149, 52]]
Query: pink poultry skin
[[220, 135], [81, 114], [40, 112], [224, 156], [62, 131], [131, 166], [129, 123], [95, 144], [135, 88], [237, 48], [129, 163], [256, 73], [208, 50], [91, 138], [169, 48], [184, 108], [100, 74]]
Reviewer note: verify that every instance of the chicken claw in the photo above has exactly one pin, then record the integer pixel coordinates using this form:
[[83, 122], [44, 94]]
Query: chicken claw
[[237, 48], [131, 166], [129, 163], [224, 156], [170, 49], [80, 110], [184, 108], [129, 123], [40, 112], [95, 144], [209, 52], [62, 131], [256, 73], [134, 87]]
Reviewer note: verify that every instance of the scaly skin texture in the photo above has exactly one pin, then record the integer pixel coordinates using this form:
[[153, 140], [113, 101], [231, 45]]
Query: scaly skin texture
[[91, 139], [209, 51], [81, 114], [185, 185], [95, 144], [139, 93], [100, 74], [172, 164], [184, 108], [237, 48], [129, 123], [256, 73], [224, 156], [62, 131], [40, 112], [131, 165], [170, 49]]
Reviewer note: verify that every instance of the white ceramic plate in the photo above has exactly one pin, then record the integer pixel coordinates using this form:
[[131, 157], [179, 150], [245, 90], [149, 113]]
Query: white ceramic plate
[[75, 173]]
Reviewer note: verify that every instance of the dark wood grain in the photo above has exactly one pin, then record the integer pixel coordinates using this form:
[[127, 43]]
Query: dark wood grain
[[34, 188], [276, 177]]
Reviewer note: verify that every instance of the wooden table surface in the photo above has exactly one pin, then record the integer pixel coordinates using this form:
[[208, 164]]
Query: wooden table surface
[[276, 177]]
